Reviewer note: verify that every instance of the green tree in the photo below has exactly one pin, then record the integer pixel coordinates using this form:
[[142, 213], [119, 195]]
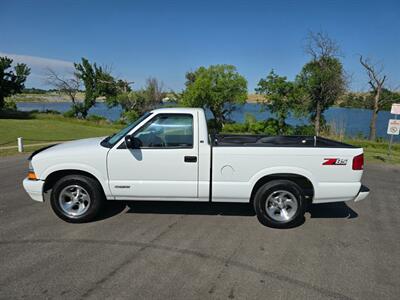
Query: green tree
[[218, 88], [323, 78], [135, 103], [280, 97], [97, 81], [324, 82], [11, 81]]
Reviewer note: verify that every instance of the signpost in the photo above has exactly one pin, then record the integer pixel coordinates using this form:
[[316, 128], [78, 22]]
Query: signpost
[[394, 125]]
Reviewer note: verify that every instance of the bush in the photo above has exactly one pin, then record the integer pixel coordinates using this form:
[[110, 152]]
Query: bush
[[251, 126], [120, 122], [304, 130], [360, 136], [51, 111], [268, 127], [69, 114], [249, 118], [235, 128], [96, 118], [130, 116], [15, 114], [10, 105]]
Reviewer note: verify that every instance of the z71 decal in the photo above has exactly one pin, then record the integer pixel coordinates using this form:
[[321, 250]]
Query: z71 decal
[[335, 162]]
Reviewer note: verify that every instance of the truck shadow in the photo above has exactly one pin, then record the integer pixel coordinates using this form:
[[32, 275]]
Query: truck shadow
[[325, 210], [114, 208], [331, 210], [190, 208]]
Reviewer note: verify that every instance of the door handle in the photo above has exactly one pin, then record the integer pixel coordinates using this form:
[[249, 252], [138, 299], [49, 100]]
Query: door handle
[[190, 159]]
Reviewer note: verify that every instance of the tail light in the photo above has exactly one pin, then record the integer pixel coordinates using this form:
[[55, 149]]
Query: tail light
[[358, 162]]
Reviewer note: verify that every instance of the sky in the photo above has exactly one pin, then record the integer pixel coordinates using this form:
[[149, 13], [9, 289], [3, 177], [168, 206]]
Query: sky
[[166, 39]]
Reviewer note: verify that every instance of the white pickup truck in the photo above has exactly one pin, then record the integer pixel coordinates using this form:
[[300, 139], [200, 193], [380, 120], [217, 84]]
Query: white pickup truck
[[168, 155]]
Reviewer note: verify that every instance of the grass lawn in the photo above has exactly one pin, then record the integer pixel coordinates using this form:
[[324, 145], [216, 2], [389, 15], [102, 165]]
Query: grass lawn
[[44, 128], [377, 151]]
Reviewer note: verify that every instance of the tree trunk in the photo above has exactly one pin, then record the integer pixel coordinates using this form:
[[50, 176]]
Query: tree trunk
[[281, 124], [84, 114], [317, 120], [1, 101], [372, 126], [218, 118]]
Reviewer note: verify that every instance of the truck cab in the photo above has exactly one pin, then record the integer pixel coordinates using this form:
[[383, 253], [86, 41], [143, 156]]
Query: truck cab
[[169, 160]]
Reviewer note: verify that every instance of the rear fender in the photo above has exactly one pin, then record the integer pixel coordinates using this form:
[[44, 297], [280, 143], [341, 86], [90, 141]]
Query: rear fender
[[284, 170]]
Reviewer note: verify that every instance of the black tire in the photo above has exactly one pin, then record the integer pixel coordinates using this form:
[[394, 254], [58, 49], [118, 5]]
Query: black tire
[[276, 186], [87, 184]]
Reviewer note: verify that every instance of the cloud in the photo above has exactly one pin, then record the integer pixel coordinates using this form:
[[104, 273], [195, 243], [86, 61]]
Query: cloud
[[40, 62], [39, 66]]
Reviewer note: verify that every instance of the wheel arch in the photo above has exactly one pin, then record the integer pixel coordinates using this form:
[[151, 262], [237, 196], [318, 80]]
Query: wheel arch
[[53, 177], [302, 181]]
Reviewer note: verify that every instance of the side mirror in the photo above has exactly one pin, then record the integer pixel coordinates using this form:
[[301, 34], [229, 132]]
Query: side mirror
[[132, 142]]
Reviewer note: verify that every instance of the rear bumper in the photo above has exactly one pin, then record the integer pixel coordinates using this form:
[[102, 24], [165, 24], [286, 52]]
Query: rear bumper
[[34, 188], [362, 194]]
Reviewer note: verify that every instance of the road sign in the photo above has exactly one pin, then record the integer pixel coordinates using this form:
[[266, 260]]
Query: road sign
[[393, 127], [395, 109]]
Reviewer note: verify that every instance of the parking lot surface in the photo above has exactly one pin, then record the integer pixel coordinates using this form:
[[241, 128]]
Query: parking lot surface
[[198, 250]]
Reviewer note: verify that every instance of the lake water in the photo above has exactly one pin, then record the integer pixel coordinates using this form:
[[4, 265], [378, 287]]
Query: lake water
[[354, 121]]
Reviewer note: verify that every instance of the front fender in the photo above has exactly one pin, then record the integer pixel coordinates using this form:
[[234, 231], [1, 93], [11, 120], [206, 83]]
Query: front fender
[[79, 167]]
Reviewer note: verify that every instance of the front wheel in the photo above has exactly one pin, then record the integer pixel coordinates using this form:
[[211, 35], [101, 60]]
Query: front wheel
[[279, 204], [77, 198]]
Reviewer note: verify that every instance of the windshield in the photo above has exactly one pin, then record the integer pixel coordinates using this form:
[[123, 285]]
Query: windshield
[[113, 139]]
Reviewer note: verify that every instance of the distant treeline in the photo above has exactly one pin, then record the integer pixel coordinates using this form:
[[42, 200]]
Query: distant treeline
[[366, 99], [39, 91]]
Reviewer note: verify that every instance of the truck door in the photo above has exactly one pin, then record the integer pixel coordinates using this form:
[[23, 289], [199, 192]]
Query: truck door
[[165, 167]]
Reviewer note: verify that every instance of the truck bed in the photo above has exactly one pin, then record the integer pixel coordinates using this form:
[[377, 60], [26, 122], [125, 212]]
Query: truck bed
[[241, 140]]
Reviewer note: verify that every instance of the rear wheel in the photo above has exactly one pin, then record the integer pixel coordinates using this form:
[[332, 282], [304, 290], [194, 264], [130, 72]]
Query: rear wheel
[[77, 198], [279, 204]]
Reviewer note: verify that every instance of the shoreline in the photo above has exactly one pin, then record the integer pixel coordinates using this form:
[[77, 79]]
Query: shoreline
[[249, 101]]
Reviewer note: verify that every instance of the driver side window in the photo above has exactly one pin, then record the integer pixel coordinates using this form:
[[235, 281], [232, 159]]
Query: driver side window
[[167, 131]]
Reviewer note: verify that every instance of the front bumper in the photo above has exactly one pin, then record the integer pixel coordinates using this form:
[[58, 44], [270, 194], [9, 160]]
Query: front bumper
[[362, 194], [34, 188]]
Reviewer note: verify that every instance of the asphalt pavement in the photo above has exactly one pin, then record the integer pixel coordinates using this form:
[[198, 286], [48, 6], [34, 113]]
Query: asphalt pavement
[[199, 251]]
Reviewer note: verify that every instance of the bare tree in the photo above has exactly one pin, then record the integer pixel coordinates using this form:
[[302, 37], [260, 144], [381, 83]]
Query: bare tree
[[320, 45], [67, 86], [155, 90], [376, 81]]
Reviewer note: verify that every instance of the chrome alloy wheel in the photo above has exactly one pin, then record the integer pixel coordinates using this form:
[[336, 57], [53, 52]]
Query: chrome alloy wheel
[[281, 206], [74, 200]]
